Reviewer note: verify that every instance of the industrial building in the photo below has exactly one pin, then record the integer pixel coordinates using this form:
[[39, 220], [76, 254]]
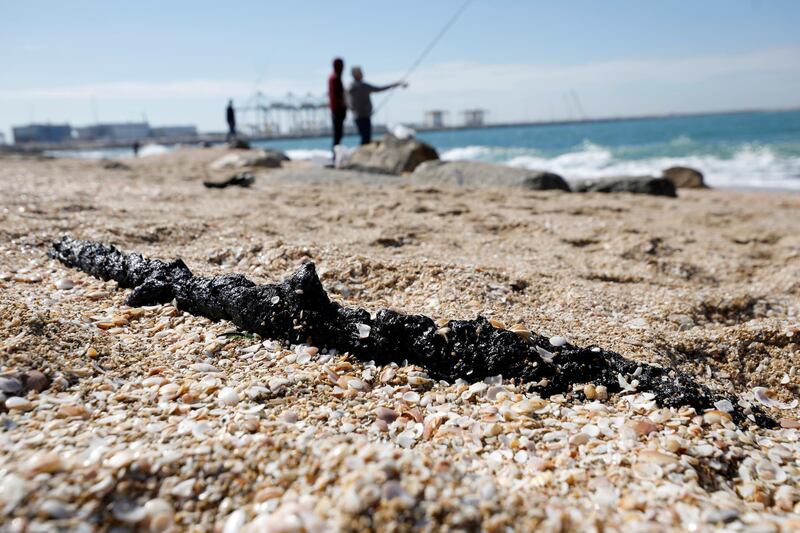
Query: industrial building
[[173, 132], [122, 131], [42, 133]]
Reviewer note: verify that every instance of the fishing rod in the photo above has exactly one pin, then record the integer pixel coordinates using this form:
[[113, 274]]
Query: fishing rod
[[425, 52]]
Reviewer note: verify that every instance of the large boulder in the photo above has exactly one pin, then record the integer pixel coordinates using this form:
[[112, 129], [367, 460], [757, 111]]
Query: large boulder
[[391, 155], [685, 177], [633, 184], [477, 174]]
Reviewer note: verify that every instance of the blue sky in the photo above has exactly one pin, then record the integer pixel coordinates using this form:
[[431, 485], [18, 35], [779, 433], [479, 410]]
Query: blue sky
[[177, 62]]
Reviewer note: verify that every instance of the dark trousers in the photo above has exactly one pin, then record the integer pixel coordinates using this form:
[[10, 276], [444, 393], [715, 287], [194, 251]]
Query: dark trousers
[[231, 130], [337, 118], [364, 126]]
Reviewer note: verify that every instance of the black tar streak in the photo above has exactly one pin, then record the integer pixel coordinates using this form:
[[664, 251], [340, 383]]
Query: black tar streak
[[298, 310]]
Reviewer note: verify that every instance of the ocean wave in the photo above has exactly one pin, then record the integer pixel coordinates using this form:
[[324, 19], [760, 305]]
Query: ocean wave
[[748, 165]]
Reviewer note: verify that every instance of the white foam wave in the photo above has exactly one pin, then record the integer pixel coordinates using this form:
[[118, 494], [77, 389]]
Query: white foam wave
[[316, 156], [750, 166], [154, 149]]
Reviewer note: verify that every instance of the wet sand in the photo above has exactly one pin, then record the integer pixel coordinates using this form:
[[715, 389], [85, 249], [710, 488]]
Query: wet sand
[[708, 282]]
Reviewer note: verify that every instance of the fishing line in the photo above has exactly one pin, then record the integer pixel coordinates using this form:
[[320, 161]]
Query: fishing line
[[425, 52]]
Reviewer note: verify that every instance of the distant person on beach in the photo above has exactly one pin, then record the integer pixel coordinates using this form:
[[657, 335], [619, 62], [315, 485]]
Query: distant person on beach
[[136, 147], [337, 102], [230, 115], [360, 102]]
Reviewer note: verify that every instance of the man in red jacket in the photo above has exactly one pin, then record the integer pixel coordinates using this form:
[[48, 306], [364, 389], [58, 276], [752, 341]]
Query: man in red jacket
[[336, 101]]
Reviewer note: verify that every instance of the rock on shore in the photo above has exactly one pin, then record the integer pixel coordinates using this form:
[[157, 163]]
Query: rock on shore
[[685, 178], [474, 174], [632, 184], [391, 155]]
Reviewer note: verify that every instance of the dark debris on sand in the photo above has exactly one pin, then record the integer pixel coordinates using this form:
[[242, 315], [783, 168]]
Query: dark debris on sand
[[298, 310]]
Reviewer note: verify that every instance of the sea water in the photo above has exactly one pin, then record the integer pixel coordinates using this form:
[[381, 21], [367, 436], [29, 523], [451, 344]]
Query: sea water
[[755, 149], [733, 150]]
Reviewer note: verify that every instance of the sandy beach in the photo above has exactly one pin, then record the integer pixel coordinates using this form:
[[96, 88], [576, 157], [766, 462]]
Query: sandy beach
[[154, 419]]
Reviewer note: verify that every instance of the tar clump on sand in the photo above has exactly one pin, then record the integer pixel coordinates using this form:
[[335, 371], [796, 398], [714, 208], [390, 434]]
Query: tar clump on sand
[[298, 310]]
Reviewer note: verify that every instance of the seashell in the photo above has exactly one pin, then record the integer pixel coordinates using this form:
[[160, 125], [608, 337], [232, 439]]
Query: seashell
[[169, 391], [276, 384], [557, 341], [769, 472], [724, 405], [161, 515], [411, 397], [204, 367], [228, 396], [235, 521], [120, 459], [128, 512], [714, 416], [64, 284], [544, 354], [650, 455], [363, 330], [579, 439], [521, 330], [386, 414], [290, 417], [184, 489], [388, 374], [153, 381], [493, 392], [357, 384], [642, 426], [18, 403], [647, 470], [499, 324], [764, 397], [430, 425], [406, 439], [591, 430], [44, 462], [418, 380], [71, 410]]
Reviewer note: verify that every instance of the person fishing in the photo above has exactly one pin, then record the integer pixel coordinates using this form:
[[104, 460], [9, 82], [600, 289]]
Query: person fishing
[[337, 103], [360, 103], [230, 116]]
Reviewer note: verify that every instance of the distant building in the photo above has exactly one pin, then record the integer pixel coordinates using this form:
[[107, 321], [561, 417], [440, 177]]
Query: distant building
[[42, 133], [174, 132], [2, 138], [474, 117], [435, 118], [123, 131]]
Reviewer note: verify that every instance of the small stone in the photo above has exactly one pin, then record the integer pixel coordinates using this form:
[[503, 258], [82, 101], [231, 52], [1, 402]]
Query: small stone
[[228, 396], [601, 392], [18, 403], [35, 380], [91, 353], [589, 391], [10, 385]]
